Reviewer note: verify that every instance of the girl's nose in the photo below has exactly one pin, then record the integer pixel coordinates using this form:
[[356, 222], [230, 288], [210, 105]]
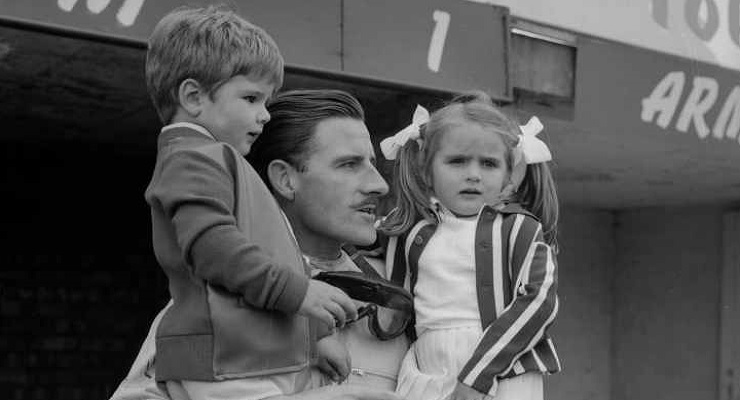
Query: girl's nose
[[473, 174]]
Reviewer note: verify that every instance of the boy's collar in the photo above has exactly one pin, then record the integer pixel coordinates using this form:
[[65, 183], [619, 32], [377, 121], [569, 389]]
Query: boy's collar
[[189, 125]]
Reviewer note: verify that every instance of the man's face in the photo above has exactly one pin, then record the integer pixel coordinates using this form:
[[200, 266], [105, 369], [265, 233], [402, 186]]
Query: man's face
[[336, 194]]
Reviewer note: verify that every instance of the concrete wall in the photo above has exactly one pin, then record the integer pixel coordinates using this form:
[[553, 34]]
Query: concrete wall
[[666, 299], [582, 331]]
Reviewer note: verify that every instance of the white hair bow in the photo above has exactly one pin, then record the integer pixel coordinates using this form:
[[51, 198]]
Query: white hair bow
[[531, 148], [390, 146]]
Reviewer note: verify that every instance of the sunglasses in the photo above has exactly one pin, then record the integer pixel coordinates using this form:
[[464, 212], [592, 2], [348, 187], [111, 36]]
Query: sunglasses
[[390, 307]]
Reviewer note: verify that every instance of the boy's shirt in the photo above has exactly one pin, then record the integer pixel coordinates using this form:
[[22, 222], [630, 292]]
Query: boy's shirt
[[188, 125], [235, 272], [199, 196]]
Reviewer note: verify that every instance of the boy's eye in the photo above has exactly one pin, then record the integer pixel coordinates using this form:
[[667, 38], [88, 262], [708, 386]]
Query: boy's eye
[[457, 161]]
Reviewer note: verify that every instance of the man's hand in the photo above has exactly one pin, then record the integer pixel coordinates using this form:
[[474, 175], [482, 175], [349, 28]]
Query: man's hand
[[465, 392], [334, 359], [328, 304], [342, 392]]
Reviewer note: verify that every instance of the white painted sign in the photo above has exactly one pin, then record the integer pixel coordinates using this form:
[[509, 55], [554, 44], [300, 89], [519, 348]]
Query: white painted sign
[[703, 30], [126, 14], [701, 96], [625, 90]]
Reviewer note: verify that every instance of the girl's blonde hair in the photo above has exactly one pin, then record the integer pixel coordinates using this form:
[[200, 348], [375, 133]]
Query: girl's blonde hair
[[412, 171]]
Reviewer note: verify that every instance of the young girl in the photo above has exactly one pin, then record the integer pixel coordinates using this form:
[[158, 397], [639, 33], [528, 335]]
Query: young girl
[[476, 207]]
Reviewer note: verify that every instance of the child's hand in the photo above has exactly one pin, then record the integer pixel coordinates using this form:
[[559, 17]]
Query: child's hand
[[328, 304], [341, 392], [465, 392], [334, 358]]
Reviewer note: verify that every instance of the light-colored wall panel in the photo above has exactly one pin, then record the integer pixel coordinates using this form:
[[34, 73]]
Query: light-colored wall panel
[[582, 330], [666, 299]]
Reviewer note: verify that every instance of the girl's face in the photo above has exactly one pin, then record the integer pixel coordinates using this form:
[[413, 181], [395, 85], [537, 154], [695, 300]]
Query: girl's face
[[469, 168]]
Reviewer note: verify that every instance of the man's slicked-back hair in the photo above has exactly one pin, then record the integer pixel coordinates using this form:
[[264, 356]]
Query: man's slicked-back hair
[[211, 45], [294, 116]]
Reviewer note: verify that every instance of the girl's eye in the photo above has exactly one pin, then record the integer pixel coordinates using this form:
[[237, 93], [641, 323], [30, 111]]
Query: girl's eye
[[251, 99], [457, 161], [490, 163]]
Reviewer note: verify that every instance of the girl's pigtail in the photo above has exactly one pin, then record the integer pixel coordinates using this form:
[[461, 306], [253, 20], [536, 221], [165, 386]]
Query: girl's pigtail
[[537, 194], [411, 197]]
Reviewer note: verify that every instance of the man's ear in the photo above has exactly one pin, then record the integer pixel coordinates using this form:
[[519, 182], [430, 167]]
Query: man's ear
[[190, 94], [282, 178]]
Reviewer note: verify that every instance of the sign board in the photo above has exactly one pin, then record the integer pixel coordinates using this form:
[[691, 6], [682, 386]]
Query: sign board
[[623, 89], [450, 45], [307, 35]]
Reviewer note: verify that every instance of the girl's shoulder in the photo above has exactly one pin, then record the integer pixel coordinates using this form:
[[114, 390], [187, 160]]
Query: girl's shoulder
[[515, 209], [520, 218]]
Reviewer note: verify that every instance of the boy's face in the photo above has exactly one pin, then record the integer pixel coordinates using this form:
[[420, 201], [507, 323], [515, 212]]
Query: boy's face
[[236, 112]]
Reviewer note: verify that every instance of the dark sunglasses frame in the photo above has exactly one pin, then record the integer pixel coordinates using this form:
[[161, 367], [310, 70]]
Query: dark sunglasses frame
[[377, 292], [371, 312]]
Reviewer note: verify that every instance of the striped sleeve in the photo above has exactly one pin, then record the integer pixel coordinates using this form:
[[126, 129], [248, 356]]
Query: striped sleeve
[[521, 324]]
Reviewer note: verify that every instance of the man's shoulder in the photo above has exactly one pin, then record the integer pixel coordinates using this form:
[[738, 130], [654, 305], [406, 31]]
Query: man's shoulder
[[377, 264]]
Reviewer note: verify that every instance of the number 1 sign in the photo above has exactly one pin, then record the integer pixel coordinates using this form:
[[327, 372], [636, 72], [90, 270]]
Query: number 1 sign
[[449, 45]]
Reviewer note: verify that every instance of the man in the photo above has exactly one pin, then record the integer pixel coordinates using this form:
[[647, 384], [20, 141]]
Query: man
[[316, 156]]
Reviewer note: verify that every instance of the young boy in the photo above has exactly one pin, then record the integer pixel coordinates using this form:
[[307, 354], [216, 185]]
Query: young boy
[[235, 272]]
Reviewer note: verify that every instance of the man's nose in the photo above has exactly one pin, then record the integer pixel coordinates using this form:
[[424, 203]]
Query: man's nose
[[374, 182], [264, 116]]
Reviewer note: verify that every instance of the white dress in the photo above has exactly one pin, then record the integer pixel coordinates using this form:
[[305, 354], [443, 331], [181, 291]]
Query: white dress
[[448, 323]]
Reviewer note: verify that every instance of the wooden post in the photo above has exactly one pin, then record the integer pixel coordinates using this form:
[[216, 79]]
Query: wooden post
[[729, 350]]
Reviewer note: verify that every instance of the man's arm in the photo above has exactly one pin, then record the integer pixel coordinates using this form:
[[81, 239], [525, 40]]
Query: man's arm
[[342, 392], [139, 384]]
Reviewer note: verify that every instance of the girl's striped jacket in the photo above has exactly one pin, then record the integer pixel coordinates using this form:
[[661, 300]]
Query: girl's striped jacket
[[516, 284]]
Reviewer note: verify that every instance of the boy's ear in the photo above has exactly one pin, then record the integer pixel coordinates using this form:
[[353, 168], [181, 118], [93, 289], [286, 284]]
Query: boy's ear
[[282, 178], [190, 94]]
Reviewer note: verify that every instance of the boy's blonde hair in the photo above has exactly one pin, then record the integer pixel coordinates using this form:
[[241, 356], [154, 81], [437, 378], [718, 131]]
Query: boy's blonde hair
[[211, 45]]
